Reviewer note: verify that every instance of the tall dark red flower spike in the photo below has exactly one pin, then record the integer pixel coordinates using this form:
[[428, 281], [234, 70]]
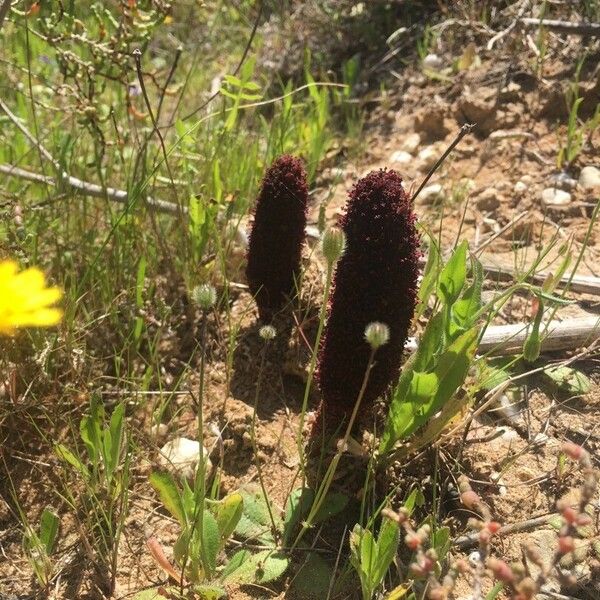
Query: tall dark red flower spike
[[277, 235], [375, 280]]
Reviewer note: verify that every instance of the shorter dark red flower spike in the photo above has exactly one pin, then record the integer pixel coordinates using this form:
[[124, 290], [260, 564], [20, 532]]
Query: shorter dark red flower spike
[[375, 280], [277, 235]]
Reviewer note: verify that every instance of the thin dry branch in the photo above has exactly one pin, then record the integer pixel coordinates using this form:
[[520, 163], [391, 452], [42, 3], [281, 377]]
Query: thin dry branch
[[569, 27], [90, 189]]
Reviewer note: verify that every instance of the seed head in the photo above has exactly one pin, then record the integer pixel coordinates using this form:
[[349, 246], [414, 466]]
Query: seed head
[[377, 334], [205, 296], [267, 332]]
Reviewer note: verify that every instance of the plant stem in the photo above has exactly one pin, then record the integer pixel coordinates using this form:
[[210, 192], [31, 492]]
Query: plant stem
[[255, 445], [313, 362], [331, 469]]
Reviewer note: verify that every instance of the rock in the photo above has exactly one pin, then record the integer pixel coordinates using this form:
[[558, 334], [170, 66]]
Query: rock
[[181, 456], [433, 61], [411, 143], [431, 193], [159, 430], [428, 157], [555, 198], [563, 181], [401, 157], [589, 178], [520, 187], [488, 200]]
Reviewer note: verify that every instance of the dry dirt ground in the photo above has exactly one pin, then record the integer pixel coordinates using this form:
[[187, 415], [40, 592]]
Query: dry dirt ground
[[491, 188]]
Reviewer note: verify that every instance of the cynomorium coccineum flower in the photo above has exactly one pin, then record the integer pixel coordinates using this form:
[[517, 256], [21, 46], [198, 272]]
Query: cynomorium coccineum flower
[[277, 235], [375, 280]]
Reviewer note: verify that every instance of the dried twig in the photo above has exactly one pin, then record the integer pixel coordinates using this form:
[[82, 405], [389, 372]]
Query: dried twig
[[90, 189], [4, 8], [563, 26]]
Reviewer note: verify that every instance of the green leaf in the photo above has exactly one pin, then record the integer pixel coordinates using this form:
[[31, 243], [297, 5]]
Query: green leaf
[[569, 380], [116, 438], [210, 592], [493, 593], [533, 344], [210, 543], [235, 562], [297, 508], [169, 494], [430, 344], [313, 580], [430, 276], [49, 524], [90, 429], [453, 275], [387, 546], [153, 594], [334, 503], [262, 567], [255, 523], [465, 309], [441, 542], [227, 514], [423, 387], [68, 456]]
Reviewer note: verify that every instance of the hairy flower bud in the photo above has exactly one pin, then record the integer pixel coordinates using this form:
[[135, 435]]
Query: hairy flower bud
[[333, 244], [205, 296], [277, 236], [267, 332], [375, 280], [377, 334]]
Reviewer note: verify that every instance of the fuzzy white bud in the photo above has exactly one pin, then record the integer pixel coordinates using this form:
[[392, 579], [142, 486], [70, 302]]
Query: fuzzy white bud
[[267, 332], [205, 296], [377, 334]]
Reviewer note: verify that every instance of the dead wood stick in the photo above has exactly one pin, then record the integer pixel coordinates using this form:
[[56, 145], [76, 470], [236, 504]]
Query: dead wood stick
[[556, 335], [583, 284], [582, 28], [90, 189], [4, 8], [468, 541]]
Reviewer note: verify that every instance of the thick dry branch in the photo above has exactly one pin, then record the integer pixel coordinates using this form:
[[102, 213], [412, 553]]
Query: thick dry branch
[[91, 189], [563, 26], [555, 335], [583, 284]]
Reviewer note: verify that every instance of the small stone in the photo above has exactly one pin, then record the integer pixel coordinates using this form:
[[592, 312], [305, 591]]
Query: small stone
[[488, 200], [520, 187], [181, 455], [411, 143], [401, 157], [431, 193], [432, 61], [563, 181], [555, 198], [428, 157], [159, 430], [589, 178]]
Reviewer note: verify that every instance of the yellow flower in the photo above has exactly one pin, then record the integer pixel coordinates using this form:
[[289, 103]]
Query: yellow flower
[[25, 300]]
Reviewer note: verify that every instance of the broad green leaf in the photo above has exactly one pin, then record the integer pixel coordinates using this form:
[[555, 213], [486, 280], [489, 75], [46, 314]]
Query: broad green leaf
[[49, 524], [209, 592], [430, 343], [235, 562], [153, 594], [313, 580], [227, 514], [334, 503], [255, 522], [90, 429], [297, 508], [465, 309], [423, 387], [210, 543], [387, 546], [116, 438], [398, 593], [441, 542], [169, 494], [452, 277], [569, 380], [260, 568], [68, 456]]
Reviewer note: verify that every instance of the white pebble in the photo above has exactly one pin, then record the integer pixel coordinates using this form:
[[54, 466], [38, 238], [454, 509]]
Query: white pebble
[[428, 156], [432, 61], [553, 197], [589, 178], [181, 455], [431, 193], [401, 157], [520, 187]]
